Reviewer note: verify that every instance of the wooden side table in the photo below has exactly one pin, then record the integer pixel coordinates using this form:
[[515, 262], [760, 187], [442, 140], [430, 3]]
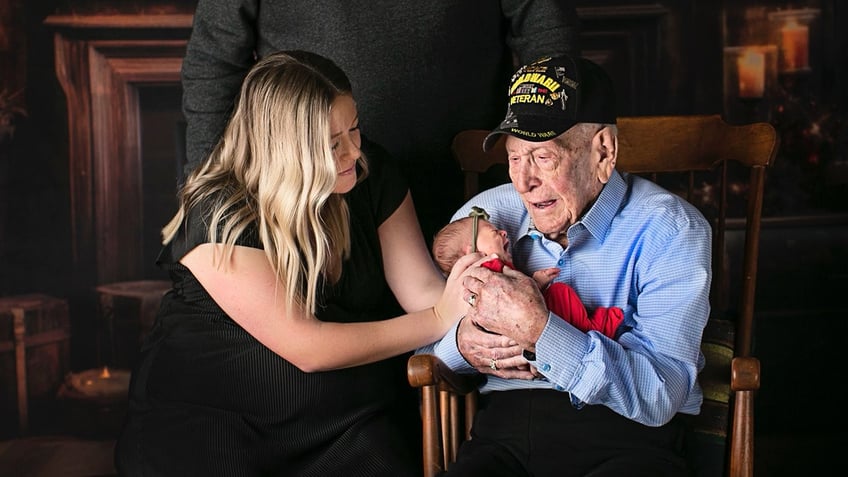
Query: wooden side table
[[36, 328], [128, 310]]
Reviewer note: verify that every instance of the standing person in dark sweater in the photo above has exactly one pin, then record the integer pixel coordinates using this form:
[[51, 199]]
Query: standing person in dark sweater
[[422, 70], [290, 256]]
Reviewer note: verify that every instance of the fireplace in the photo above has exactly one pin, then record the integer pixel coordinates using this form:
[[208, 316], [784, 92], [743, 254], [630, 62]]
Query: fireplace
[[120, 74]]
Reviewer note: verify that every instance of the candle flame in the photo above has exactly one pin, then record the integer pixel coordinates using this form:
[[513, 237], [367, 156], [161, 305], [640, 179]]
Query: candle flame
[[105, 374]]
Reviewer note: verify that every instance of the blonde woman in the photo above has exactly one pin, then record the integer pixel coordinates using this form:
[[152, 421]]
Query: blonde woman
[[294, 253]]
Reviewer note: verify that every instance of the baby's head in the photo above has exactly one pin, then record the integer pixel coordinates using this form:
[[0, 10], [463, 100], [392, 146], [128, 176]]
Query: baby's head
[[454, 240]]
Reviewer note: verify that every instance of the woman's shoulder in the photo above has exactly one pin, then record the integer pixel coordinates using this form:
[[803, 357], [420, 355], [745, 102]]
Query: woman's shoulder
[[194, 231]]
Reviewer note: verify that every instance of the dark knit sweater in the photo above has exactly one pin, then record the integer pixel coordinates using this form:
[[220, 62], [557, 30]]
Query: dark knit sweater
[[421, 70]]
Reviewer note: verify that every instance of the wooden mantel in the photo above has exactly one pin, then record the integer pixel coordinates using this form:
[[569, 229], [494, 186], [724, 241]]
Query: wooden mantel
[[179, 23], [101, 60]]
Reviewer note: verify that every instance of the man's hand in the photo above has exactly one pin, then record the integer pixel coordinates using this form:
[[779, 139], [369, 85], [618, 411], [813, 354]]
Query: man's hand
[[508, 303], [491, 353]]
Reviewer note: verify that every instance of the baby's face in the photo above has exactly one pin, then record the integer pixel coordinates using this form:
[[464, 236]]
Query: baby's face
[[491, 240]]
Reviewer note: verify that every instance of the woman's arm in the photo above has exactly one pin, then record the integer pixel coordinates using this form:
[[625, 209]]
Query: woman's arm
[[410, 272], [247, 290]]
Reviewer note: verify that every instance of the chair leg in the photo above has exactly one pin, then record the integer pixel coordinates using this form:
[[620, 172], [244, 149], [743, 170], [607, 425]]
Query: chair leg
[[455, 437], [741, 445], [432, 444], [470, 411], [444, 421]]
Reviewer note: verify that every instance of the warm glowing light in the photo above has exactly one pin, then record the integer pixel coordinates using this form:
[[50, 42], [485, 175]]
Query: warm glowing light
[[795, 41], [752, 74]]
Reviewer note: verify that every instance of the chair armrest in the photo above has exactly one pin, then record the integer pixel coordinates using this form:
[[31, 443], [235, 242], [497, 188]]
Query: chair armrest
[[745, 373], [428, 370], [744, 380]]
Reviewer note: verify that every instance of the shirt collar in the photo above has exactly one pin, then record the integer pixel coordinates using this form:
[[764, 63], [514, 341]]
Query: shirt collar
[[527, 225], [598, 219]]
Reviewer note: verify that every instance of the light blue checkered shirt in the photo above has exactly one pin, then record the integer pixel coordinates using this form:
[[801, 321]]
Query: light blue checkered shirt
[[640, 248]]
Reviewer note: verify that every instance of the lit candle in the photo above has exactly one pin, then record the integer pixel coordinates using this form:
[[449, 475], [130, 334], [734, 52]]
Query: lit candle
[[795, 42], [752, 74]]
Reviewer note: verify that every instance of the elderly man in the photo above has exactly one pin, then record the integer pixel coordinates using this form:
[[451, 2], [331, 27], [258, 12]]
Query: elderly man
[[558, 401]]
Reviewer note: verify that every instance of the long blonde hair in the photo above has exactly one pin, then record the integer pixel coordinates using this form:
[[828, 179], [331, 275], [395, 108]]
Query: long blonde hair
[[274, 166]]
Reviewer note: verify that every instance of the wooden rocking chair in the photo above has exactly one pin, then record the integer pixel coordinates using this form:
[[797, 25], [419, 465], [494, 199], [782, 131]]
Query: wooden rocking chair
[[688, 155]]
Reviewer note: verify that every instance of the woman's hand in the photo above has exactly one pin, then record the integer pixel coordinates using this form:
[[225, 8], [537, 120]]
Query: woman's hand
[[453, 303]]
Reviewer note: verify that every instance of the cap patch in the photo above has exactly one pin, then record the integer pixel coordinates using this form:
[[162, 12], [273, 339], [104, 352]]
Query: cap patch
[[549, 96]]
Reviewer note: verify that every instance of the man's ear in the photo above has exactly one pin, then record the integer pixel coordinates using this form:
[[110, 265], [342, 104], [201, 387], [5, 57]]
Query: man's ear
[[605, 143]]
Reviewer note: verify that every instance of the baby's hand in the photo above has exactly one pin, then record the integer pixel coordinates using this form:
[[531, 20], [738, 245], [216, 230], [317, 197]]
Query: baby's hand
[[545, 276]]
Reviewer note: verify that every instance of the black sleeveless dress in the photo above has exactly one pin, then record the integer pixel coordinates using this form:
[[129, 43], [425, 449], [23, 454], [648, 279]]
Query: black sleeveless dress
[[208, 399]]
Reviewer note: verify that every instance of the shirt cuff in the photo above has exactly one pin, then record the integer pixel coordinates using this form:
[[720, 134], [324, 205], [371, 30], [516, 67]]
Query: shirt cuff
[[559, 351]]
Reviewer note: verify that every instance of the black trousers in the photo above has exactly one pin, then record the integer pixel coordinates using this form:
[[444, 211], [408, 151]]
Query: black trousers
[[539, 433]]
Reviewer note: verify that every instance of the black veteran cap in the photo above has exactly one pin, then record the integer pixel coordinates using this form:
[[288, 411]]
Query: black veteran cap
[[550, 95]]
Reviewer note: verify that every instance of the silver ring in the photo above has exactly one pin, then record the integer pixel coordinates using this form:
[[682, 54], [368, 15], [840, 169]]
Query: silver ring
[[493, 364], [472, 299]]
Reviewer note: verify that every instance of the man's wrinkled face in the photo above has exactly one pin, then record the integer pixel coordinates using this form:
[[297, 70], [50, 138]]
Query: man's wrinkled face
[[559, 179]]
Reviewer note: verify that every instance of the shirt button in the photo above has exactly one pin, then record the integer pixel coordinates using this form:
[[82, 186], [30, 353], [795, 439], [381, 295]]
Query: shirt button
[[560, 262], [546, 367], [558, 387]]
